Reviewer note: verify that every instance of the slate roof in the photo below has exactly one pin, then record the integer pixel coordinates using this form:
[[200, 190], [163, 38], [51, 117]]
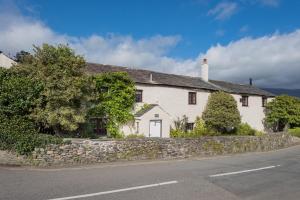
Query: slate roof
[[144, 110], [158, 78], [241, 88]]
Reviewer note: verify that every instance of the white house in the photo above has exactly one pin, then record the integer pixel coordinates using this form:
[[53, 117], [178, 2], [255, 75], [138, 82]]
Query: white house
[[170, 96], [6, 61]]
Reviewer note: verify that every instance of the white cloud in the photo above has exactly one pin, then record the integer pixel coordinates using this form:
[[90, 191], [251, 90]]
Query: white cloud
[[271, 3], [272, 61], [223, 10], [268, 3]]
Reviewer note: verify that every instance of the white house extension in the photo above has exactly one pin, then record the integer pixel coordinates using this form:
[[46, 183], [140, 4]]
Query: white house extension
[[6, 61], [170, 96]]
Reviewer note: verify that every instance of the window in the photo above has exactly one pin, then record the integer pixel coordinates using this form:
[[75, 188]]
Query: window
[[139, 96], [244, 100], [189, 126], [264, 101], [192, 98], [137, 127]]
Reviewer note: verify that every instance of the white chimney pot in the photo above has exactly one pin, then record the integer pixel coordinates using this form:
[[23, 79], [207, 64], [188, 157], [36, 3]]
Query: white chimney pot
[[204, 70]]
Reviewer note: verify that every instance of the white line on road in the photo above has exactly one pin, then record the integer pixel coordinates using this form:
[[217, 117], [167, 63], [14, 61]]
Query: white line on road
[[244, 171], [116, 191]]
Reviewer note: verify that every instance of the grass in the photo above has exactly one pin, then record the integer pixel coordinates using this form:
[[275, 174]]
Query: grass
[[295, 131]]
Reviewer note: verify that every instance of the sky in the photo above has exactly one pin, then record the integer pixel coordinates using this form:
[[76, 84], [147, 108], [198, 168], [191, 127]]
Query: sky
[[241, 39]]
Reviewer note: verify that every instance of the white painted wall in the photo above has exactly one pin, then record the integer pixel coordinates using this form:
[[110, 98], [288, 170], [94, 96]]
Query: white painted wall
[[5, 61], [174, 100], [254, 113], [144, 123]]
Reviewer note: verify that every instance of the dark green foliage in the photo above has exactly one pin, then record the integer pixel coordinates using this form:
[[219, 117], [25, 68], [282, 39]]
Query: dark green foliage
[[115, 94], [23, 57], [283, 111], [18, 93], [19, 134], [221, 112], [64, 99]]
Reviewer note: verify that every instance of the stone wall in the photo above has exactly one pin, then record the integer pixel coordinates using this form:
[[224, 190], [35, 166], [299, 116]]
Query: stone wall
[[96, 151]]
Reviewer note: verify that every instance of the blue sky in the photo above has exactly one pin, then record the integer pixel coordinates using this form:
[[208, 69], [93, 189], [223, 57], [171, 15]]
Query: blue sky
[[189, 19], [241, 39]]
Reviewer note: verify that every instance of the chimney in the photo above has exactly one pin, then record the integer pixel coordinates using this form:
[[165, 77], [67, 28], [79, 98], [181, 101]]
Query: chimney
[[151, 78], [250, 81], [204, 70]]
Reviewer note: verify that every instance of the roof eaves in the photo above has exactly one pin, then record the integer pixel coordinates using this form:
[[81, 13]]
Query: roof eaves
[[142, 111]]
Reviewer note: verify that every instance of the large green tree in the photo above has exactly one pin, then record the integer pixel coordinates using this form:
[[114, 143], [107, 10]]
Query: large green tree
[[221, 112], [114, 100], [63, 102], [283, 111], [18, 93]]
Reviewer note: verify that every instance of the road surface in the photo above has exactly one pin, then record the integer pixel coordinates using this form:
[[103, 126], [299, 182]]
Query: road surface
[[269, 175]]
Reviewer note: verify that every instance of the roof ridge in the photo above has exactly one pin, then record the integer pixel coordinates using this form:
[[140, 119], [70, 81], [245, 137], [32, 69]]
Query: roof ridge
[[146, 70], [177, 80]]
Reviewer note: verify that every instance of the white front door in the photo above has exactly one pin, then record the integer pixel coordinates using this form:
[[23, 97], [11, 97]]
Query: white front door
[[155, 128]]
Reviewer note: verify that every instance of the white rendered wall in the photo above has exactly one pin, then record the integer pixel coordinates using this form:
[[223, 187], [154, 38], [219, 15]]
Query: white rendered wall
[[5, 61], [253, 114], [174, 100], [155, 113]]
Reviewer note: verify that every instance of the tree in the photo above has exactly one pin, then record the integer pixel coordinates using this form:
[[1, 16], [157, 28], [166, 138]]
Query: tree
[[18, 93], [115, 94], [23, 57], [283, 111], [63, 102], [221, 112]]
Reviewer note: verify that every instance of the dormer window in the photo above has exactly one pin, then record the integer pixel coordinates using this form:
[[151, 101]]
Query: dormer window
[[192, 98], [138, 96], [244, 101]]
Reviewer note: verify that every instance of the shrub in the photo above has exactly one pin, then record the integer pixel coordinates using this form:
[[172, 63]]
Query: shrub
[[295, 131], [63, 102], [175, 133], [221, 112], [259, 133], [18, 93], [132, 136], [200, 129], [245, 129], [19, 134], [283, 111], [114, 101]]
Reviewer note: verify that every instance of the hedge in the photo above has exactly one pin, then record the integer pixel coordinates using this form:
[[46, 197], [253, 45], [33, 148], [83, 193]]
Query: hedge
[[18, 134]]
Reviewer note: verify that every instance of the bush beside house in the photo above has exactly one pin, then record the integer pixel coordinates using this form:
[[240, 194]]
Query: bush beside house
[[50, 93], [221, 113], [283, 112]]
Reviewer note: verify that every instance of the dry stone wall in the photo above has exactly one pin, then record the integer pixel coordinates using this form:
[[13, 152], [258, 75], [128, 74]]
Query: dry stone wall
[[97, 151]]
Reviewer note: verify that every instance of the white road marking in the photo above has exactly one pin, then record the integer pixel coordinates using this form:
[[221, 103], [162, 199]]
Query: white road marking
[[116, 191], [245, 171]]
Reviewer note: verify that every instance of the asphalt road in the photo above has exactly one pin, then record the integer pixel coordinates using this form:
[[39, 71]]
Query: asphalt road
[[269, 175]]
